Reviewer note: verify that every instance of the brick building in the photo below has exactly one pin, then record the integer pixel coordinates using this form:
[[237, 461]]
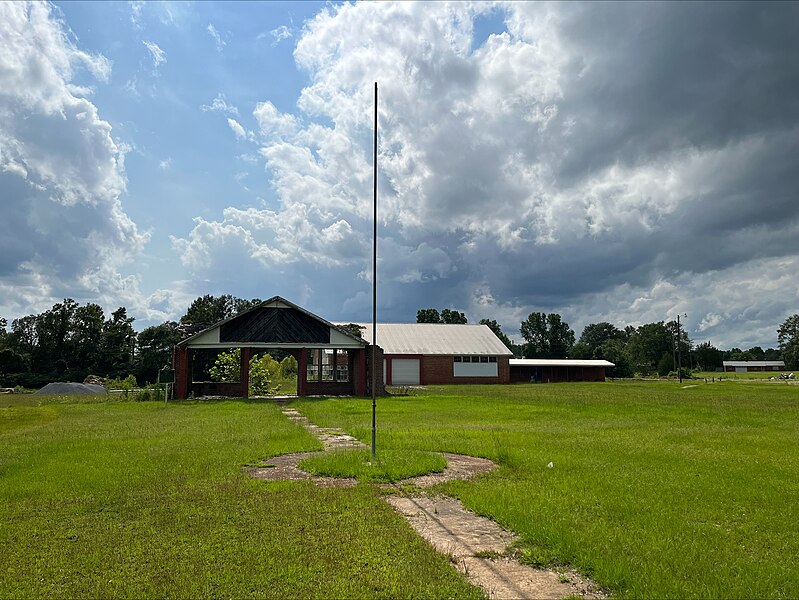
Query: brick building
[[430, 353]]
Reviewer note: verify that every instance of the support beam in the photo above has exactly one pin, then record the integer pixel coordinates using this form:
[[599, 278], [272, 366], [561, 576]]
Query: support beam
[[182, 364], [302, 372]]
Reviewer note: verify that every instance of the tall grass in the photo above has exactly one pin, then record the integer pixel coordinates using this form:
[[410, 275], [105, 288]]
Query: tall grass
[[656, 490], [131, 499]]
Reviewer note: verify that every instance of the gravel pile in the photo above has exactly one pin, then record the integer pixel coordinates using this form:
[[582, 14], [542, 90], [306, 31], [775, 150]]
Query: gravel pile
[[62, 388]]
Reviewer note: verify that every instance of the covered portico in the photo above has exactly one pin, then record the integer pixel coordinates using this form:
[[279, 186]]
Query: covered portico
[[331, 360]]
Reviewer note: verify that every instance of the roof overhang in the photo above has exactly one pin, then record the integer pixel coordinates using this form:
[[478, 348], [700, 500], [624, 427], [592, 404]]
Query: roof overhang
[[558, 362]]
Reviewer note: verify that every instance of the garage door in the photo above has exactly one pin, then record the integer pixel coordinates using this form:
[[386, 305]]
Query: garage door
[[405, 371]]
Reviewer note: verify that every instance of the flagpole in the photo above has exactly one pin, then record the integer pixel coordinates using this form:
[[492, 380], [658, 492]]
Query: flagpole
[[374, 297]]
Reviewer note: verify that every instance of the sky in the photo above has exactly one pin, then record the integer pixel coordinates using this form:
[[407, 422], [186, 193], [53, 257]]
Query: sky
[[621, 162]]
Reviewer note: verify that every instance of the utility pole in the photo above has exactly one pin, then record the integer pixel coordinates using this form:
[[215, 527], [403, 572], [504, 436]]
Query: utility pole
[[679, 352], [374, 299]]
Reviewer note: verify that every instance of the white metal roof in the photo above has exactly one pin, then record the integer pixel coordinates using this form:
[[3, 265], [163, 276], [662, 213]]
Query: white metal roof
[[558, 362], [435, 338], [754, 363]]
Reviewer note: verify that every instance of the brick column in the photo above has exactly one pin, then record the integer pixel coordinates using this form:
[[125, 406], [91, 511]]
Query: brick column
[[360, 380], [182, 366], [302, 371], [244, 378]]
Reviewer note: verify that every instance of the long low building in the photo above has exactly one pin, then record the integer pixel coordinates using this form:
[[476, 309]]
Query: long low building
[[438, 353], [554, 370], [746, 366]]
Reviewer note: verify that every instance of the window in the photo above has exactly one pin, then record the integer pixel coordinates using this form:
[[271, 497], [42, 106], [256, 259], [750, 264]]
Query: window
[[483, 359], [458, 359], [492, 359]]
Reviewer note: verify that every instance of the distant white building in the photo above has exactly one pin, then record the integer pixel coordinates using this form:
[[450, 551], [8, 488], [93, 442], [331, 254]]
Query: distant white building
[[747, 366]]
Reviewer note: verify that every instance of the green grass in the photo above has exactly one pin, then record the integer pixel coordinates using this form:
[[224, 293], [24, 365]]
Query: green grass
[[752, 375], [391, 465], [130, 499], [656, 490]]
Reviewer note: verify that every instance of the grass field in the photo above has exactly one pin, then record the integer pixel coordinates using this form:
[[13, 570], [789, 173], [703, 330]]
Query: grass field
[[129, 499], [657, 491]]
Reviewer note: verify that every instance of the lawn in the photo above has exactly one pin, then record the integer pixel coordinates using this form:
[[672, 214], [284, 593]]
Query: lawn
[[132, 499], [657, 490]]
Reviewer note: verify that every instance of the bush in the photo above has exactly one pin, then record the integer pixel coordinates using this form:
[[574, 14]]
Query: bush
[[288, 367], [666, 364]]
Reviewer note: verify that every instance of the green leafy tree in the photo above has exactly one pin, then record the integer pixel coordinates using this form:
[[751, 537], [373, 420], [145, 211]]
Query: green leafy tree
[[353, 328], [614, 350], [87, 337], [154, 349], [647, 346], [788, 338], [288, 367], [665, 364], [428, 315], [494, 326], [546, 336], [453, 317], [119, 342], [596, 334], [708, 357], [263, 370], [581, 350], [210, 309], [3, 332]]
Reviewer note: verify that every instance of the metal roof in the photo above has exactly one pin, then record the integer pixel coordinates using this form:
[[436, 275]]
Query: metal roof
[[754, 363], [558, 362], [435, 338]]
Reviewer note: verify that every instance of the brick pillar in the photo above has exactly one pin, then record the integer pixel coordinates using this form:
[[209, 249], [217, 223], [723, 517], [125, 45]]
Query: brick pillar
[[182, 366], [360, 373], [244, 377], [302, 371]]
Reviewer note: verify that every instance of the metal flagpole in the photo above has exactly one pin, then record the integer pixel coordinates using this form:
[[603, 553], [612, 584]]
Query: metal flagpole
[[374, 297]]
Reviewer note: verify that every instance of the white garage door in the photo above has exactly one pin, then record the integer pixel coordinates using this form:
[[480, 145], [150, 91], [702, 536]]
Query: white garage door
[[405, 371]]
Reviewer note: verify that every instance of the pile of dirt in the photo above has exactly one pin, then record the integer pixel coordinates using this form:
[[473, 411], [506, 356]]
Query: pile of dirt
[[62, 388], [94, 379]]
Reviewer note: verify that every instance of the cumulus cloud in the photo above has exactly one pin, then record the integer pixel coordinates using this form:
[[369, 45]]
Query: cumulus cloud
[[61, 172], [580, 154]]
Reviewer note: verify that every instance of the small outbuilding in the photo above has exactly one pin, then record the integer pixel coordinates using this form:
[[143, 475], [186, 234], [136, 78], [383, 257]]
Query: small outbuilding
[[555, 370], [752, 366]]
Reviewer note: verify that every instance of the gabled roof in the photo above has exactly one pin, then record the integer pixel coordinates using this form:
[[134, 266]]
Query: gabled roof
[[215, 335], [435, 338], [558, 362]]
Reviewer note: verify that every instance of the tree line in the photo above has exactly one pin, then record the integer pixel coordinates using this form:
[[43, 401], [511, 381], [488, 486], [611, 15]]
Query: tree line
[[646, 350], [71, 341]]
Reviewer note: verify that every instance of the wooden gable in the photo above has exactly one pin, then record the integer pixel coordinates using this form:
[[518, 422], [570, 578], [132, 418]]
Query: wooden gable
[[275, 325]]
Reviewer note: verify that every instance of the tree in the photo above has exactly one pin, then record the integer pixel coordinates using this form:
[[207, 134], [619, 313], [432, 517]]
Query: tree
[[87, 337], [119, 342], [581, 350], [428, 315], [647, 346], [596, 334], [614, 350], [547, 336], [494, 326], [665, 364], [3, 332], [154, 349], [708, 357], [263, 369], [353, 328], [453, 317], [788, 338], [210, 309]]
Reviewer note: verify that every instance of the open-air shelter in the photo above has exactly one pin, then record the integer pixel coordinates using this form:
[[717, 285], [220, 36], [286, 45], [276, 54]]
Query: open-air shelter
[[331, 360]]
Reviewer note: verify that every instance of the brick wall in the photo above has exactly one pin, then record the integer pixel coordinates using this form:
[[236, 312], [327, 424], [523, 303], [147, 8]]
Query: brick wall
[[438, 370]]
